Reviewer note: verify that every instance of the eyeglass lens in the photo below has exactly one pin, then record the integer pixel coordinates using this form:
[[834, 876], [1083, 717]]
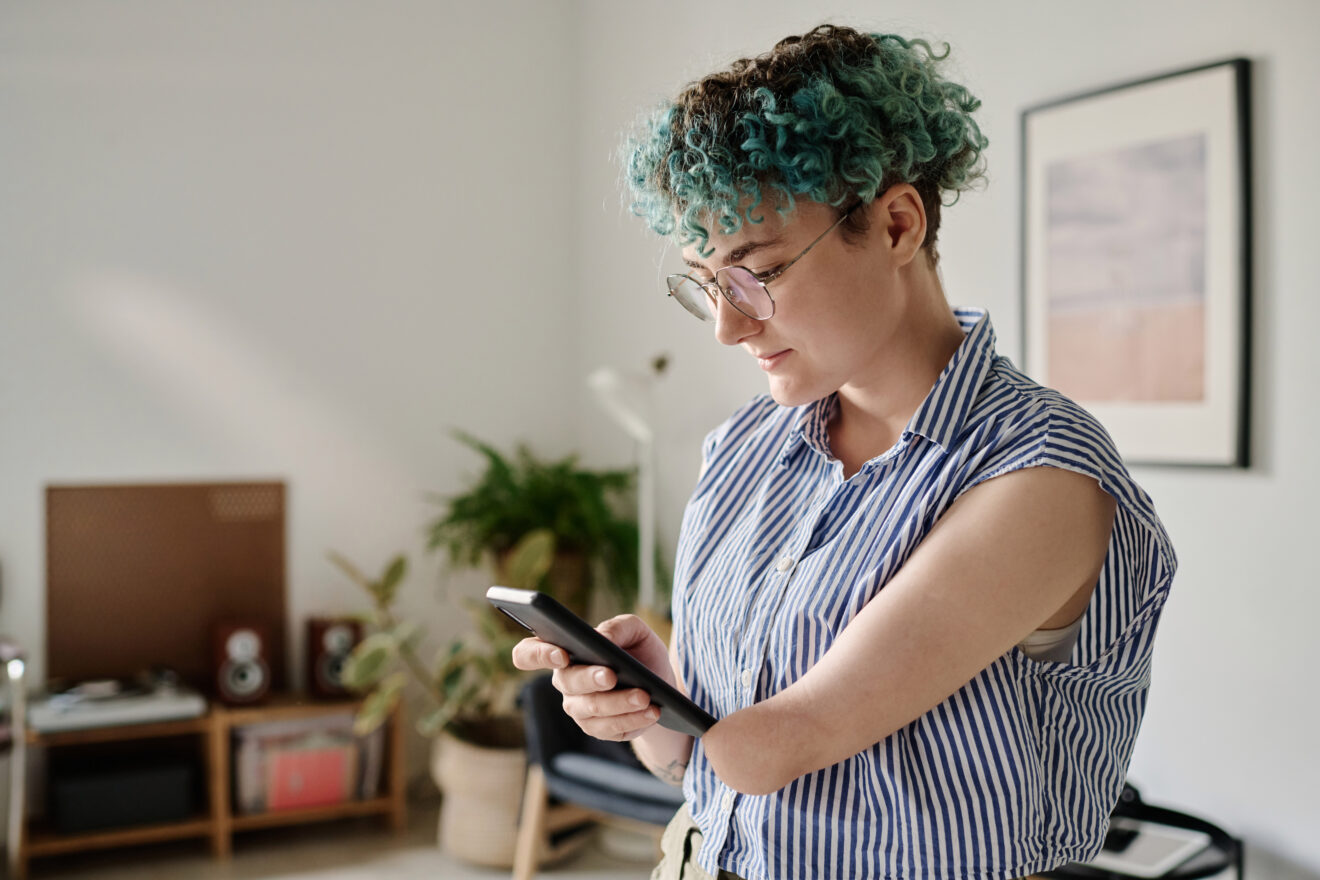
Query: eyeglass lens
[[741, 288]]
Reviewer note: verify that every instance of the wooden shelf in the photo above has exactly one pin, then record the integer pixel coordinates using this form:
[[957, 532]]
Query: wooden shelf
[[218, 825], [48, 843], [277, 818], [120, 732], [283, 708]]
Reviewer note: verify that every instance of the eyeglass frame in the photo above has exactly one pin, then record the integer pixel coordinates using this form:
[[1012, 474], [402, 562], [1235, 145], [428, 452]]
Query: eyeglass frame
[[763, 280]]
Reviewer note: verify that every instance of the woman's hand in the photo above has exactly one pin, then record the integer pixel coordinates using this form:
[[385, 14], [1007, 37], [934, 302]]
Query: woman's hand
[[589, 695]]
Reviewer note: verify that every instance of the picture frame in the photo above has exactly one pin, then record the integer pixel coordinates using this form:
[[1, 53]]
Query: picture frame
[[1136, 260]]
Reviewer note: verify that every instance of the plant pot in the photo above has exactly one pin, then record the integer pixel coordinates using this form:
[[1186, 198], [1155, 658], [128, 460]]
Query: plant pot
[[482, 789]]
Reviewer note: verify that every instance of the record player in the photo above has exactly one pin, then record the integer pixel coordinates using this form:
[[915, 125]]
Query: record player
[[111, 702]]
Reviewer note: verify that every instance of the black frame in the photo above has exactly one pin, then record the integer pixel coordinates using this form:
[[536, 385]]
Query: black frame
[[1241, 71], [1225, 850]]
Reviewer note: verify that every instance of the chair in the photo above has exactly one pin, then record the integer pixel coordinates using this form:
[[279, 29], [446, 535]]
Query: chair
[[13, 742], [574, 779], [1223, 853]]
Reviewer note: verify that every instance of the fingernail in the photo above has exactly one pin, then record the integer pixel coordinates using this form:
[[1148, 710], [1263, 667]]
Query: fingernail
[[638, 699], [559, 658], [601, 677], [653, 713]]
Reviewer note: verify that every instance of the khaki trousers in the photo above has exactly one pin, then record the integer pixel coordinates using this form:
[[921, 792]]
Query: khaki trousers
[[679, 844]]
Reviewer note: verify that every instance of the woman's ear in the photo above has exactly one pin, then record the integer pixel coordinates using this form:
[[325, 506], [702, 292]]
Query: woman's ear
[[898, 219]]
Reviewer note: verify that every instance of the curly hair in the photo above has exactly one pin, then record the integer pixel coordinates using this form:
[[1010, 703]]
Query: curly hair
[[834, 116]]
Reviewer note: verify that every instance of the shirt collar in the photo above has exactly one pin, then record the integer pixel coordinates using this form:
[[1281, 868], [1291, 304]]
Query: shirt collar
[[941, 415]]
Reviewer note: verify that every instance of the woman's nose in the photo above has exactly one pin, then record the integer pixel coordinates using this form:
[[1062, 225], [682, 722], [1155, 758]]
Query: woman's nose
[[731, 325]]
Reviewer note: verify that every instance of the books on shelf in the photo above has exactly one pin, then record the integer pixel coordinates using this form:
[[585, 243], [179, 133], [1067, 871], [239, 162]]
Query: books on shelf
[[281, 765]]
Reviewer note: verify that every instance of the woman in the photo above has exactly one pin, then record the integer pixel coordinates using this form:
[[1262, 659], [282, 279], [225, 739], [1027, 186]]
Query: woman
[[918, 590]]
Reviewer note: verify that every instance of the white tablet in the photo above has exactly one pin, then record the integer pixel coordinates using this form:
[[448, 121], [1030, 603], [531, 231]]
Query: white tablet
[[1147, 849]]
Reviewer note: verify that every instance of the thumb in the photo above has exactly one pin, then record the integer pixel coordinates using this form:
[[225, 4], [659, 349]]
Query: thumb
[[625, 630]]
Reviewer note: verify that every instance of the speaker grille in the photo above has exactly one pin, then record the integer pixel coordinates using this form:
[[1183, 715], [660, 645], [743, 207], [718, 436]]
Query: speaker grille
[[246, 503]]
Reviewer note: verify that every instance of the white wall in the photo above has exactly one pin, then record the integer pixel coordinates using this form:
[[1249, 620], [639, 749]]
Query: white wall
[[280, 240], [1230, 728]]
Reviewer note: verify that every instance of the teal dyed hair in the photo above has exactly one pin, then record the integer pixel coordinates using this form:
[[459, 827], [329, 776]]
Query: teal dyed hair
[[833, 116]]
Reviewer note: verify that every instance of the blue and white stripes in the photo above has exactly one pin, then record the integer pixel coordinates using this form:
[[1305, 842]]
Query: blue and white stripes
[[1017, 771]]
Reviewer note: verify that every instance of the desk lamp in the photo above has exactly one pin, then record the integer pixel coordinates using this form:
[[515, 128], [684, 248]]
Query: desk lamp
[[626, 396]]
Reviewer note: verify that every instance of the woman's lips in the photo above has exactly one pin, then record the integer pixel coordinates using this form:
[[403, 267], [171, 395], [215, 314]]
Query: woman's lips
[[769, 362]]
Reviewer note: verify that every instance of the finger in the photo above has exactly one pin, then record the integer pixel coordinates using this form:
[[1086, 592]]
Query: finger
[[534, 653], [606, 705], [622, 728], [575, 680]]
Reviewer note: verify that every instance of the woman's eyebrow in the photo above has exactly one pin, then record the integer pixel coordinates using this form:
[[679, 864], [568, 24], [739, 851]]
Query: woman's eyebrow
[[741, 252]]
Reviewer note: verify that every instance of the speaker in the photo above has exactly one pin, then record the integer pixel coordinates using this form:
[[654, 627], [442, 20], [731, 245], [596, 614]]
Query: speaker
[[329, 642], [242, 665]]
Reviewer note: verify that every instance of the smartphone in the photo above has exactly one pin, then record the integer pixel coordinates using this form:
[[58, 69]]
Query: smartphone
[[550, 621]]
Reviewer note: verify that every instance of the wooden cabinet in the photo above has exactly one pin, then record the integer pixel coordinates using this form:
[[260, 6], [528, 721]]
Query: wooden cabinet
[[216, 821]]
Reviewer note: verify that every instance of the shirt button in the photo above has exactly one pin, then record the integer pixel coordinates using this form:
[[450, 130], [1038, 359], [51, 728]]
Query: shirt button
[[747, 678], [727, 800], [785, 564]]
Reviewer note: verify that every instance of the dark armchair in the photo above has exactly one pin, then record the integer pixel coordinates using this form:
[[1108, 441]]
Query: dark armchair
[[573, 779]]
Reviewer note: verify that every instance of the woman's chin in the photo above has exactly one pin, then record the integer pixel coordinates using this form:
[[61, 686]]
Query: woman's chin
[[789, 394]]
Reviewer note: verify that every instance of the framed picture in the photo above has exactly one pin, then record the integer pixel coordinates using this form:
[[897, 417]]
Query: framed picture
[[1136, 261]]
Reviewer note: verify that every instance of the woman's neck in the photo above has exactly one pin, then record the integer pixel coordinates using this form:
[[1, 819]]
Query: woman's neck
[[873, 410]]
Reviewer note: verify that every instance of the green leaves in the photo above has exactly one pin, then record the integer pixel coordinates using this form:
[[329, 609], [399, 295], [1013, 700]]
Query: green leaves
[[370, 661], [435, 721], [380, 703], [588, 512], [527, 513], [348, 568], [407, 634], [382, 589], [389, 581], [530, 559], [470, 683]]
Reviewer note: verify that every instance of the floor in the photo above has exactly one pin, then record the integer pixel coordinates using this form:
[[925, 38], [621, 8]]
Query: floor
[[357, 849], [360, 849]]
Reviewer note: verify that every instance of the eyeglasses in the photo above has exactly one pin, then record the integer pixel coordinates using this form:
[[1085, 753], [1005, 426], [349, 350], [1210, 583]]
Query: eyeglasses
[[745, 290]]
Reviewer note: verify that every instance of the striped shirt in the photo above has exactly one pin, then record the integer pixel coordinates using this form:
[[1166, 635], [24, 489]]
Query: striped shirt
[[1013, 774]]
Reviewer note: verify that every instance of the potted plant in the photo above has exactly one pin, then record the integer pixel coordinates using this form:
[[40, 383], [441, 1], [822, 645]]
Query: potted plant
[[547, 525], [478, 759], [520, 493]]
